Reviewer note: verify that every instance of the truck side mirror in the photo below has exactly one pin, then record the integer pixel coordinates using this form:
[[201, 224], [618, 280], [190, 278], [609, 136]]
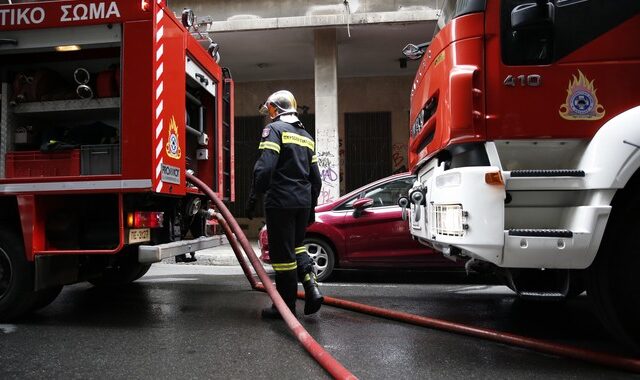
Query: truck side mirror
[[414, 52], [532, 15], [360, 205]]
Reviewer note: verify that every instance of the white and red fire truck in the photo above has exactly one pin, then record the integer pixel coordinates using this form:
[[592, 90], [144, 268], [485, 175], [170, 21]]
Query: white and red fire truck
[[105, 105], [525, 140]]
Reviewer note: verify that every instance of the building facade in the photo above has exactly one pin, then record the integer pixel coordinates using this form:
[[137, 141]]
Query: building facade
[[342, 60]]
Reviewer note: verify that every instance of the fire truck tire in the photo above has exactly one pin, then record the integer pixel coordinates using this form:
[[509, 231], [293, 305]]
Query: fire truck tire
[[17, 296], [322, 253], [126, 270], [612, 282], [44, 297], [577, 285], [143, 270]]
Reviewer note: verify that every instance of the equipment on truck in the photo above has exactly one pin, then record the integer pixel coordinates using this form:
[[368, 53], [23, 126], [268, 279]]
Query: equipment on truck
[[525, 139], [94, 148]]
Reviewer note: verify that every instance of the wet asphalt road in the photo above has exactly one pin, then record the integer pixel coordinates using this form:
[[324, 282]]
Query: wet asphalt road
[[203, 322]]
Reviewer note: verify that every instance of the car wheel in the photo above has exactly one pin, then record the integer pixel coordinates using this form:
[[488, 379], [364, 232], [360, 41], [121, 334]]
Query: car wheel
[[323, 256], [17, 296]]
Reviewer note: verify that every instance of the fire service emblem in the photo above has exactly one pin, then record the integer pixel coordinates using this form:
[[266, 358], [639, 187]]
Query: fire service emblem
[[173, 145], [581, 102]]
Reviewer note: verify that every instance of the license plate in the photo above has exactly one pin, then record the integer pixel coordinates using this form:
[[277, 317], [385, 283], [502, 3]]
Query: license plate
[[139, 235]]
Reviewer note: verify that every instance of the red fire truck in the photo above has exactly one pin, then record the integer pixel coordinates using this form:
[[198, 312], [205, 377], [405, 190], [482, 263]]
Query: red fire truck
[[105, 105], [525, 139]]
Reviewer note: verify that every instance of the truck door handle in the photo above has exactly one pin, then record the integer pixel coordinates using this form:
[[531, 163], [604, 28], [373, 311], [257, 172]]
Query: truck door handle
[[202, 79]]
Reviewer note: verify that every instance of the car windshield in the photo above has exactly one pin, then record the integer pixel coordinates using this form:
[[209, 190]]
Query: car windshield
[[383, 195]]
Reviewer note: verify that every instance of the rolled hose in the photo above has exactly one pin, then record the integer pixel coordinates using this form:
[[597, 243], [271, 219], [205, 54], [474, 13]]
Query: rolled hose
[[328, 362]]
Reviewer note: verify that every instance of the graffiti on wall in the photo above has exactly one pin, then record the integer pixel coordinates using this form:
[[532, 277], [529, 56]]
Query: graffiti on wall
[[399, 158], [329, 176], [342, 164]]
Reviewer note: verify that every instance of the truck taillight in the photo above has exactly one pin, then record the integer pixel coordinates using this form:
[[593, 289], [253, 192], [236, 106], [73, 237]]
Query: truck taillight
[[145, 219]]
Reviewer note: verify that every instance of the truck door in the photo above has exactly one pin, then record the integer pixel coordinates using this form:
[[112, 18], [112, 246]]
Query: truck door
[[561, 73]]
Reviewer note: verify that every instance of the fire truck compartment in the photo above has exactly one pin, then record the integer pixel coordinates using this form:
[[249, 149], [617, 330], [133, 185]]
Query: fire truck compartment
[[60, 98]]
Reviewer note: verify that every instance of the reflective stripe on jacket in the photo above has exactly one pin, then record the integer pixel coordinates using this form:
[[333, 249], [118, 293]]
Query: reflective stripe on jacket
[[287, 170]]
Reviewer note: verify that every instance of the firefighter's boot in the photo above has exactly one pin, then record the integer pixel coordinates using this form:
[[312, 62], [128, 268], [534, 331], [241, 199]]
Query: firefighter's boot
[[287, 285], [312, 297]]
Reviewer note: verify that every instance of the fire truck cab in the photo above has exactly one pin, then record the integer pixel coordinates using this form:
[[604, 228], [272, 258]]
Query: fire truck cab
[[105, 105], [525, 140]]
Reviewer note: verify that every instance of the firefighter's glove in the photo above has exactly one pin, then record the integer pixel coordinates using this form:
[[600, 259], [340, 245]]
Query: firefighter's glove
[[250, 207]]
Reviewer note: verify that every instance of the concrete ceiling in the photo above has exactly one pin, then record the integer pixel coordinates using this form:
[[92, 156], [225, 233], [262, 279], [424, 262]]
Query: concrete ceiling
[[372, 50]]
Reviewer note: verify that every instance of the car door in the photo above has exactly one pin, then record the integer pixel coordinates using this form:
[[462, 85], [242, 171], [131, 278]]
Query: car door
[[379, 235]]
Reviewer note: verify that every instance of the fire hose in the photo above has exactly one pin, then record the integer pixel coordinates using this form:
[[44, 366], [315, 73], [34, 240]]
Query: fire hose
[[600, 358], [328, 362]]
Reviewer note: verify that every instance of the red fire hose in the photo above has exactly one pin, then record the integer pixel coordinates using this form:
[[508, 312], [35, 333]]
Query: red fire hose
[[236, 249], [335, 368], [601, 358], [328, 362]]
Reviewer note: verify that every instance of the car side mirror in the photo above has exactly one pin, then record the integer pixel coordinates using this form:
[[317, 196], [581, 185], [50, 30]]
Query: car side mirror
[[532, 15], [360, 205]]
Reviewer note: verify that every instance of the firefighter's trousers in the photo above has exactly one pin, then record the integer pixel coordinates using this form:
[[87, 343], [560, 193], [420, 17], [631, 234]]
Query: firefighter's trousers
[[286, 228]]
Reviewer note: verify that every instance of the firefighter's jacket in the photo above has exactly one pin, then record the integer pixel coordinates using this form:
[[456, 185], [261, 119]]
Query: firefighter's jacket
[[287, 170]]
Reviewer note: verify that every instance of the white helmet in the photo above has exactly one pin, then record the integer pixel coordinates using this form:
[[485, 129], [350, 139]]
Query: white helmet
[[279, 103]]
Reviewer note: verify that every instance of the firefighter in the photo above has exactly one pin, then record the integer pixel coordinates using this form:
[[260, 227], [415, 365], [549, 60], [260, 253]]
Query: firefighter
[[287, 173]]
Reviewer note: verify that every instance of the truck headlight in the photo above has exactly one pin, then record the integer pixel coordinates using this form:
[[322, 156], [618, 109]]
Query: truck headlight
[[449, 180], [450, 220]]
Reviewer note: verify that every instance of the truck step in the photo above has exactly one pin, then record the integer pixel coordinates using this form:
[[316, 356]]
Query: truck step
[[548, 173], [157, 253], [541, 233]]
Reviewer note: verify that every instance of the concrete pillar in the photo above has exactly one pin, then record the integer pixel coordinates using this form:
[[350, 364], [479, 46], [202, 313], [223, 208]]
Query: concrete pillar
[[326, 108]]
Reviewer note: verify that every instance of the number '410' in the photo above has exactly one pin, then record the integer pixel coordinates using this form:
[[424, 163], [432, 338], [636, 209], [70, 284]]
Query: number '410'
[[533, 80]]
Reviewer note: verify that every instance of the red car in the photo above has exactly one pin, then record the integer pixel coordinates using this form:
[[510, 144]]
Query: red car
[[364, 229]]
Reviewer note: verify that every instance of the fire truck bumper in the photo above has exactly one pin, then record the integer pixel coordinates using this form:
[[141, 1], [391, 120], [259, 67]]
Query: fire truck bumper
[[460, 210], [464, 212], [157, 253]]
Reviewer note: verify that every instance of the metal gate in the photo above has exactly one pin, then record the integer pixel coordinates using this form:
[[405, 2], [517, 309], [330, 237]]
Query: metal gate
[[367, 148], [247, 138]]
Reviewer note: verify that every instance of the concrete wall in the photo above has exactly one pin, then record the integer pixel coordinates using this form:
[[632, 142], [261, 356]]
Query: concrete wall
[[374, 94], [368, 94], [228, 10]]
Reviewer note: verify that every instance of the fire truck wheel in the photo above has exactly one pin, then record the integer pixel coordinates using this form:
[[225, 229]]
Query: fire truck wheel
[[612, 280], [143, 270], [322, 254], [44, 297], [17, 296], [577, 285], [126, 270]]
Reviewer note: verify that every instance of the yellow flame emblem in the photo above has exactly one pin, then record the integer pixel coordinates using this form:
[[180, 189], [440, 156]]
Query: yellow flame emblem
[[582, 102], [173, 145]]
